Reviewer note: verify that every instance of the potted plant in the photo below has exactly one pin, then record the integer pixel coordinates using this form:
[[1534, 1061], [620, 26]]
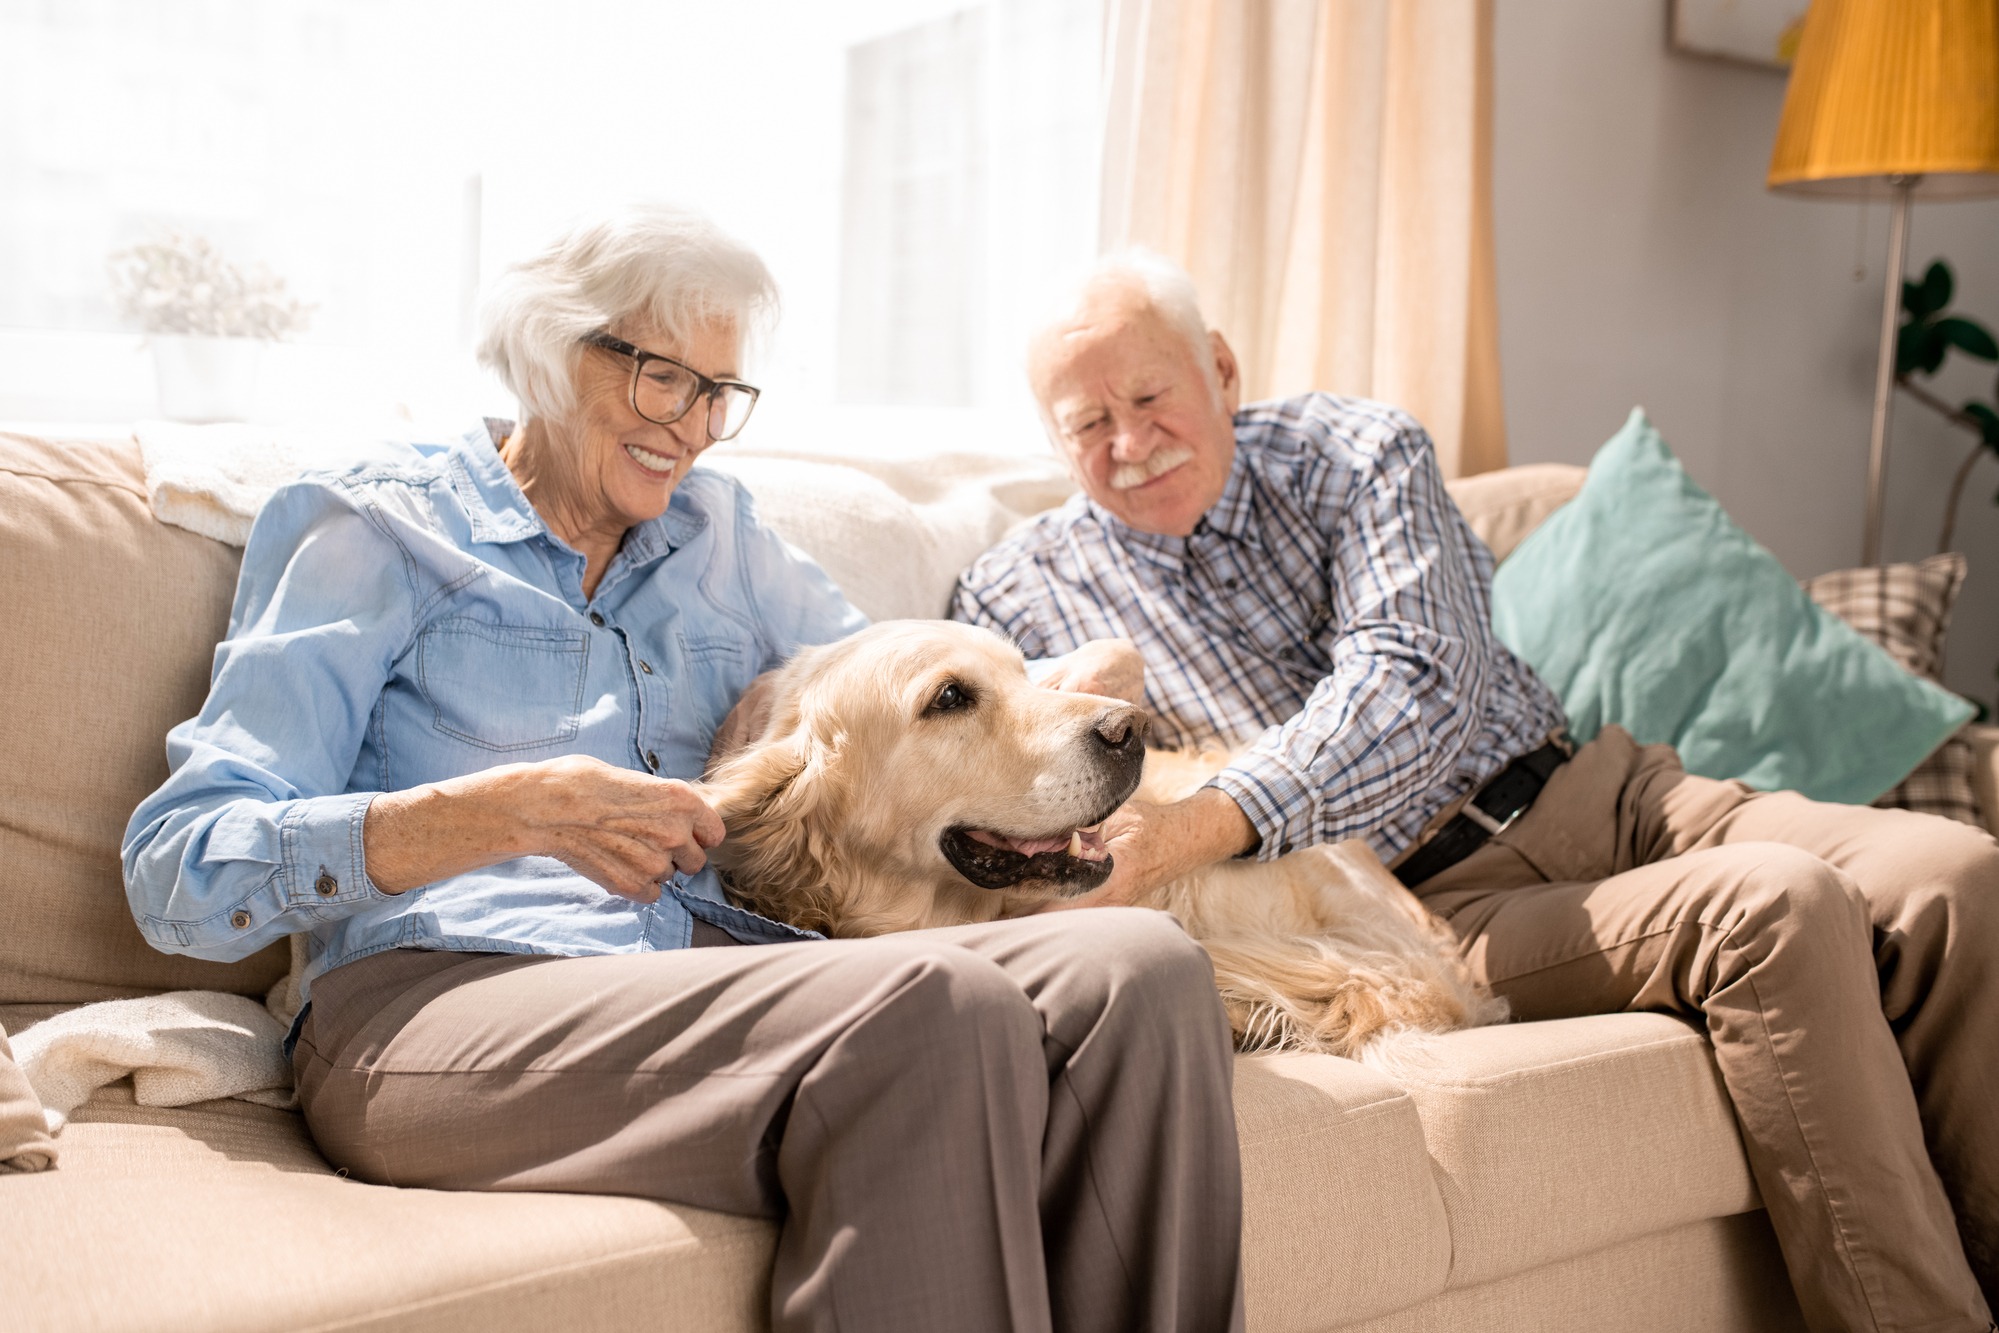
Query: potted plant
[[207, 321], [1929, 333]]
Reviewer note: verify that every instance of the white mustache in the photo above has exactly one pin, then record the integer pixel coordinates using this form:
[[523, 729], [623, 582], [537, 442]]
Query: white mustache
[[1128, 475]]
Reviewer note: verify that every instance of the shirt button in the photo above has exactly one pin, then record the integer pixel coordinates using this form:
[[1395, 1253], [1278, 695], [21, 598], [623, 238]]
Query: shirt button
[[646, 667], [325, 886], [652, 761], [240, 919], [1284, 849], [596, 620]]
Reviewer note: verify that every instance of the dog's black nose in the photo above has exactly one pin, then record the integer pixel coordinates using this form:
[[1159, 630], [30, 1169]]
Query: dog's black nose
[[1121, 729]]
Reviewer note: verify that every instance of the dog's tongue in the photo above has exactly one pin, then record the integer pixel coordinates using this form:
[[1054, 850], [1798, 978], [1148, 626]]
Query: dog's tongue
[[1025, 846], [1090, 839]]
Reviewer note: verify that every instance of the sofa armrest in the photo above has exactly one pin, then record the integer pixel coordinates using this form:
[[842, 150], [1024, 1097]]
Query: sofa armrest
[[1985, 772]]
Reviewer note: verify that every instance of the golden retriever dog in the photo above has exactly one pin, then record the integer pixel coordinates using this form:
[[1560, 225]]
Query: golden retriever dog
[[912, 776]]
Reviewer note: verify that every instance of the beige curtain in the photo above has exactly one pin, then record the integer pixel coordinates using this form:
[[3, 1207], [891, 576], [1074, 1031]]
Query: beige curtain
[[1323, 169]]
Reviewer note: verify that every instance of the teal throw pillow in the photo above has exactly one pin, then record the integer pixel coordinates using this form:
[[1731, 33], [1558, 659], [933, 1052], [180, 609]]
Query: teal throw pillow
[[1643, 605]]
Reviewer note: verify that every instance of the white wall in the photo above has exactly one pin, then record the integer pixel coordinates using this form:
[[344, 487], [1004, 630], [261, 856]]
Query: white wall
[[1642, 261]]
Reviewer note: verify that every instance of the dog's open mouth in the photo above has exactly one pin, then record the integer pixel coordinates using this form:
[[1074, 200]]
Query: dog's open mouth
[[1070, 863]]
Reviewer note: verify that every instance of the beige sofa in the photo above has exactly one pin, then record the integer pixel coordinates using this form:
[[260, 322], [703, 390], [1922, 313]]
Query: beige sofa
[[1575, 1175]]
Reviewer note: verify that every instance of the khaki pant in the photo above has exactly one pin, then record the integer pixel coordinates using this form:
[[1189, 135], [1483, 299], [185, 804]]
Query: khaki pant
[[1018, 1126], [1845, 963]]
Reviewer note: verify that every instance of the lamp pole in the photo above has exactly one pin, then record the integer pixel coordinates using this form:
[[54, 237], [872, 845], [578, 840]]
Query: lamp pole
[[1884, 371]]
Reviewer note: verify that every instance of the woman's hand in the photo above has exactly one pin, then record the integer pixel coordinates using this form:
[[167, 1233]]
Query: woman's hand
[[622, 830], [1110, 667]]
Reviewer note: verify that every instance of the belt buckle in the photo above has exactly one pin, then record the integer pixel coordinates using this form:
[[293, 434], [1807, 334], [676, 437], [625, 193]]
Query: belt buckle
[[1493, 827]]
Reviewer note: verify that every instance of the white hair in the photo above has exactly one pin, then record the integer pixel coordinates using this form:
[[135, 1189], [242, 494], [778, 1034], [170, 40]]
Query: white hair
[[1168, 292], [666, 264]]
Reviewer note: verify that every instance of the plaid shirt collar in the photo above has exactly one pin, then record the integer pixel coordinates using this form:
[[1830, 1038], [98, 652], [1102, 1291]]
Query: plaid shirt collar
[[1233, 515]]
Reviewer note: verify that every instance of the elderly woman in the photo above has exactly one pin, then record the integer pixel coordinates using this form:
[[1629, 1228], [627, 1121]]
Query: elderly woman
[[448, 739]]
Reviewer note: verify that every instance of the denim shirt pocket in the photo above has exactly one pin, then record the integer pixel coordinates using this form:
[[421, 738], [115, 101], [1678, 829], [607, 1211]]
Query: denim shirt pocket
[[503, 687]]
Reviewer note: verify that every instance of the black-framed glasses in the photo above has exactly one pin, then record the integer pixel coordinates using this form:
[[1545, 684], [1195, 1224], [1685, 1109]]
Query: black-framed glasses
[[664, 390]]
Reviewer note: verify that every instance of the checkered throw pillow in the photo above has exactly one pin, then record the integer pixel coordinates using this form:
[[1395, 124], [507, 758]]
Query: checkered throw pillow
[[1906, 609]]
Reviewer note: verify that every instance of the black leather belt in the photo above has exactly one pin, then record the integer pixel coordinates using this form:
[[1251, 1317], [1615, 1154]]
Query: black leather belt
[[1491, 808]]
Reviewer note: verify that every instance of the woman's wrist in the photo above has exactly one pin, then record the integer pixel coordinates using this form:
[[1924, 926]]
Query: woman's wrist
[[423, 834]]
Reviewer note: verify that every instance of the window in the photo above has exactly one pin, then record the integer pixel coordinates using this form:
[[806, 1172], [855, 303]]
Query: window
[[912, 170]]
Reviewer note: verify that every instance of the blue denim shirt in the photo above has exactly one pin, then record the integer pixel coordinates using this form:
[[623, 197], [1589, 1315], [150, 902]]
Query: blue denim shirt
[[408, 622]]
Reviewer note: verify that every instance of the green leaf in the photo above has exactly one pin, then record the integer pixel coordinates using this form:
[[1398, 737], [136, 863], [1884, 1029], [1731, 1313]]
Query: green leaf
[[1909, 346], [1969, 337], [1935, 346], [1912, 298], [1936, 287], [1988, 422]]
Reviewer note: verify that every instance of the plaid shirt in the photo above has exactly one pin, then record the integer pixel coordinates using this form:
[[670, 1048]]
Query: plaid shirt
[[1329, 619]]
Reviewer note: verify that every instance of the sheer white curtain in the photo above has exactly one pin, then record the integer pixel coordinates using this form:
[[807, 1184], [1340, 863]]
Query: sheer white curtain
[[905, 166], [1323, 170]]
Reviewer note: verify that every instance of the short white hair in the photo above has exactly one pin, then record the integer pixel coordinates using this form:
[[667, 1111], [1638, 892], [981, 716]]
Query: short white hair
[[1168, 292], [665, 263]]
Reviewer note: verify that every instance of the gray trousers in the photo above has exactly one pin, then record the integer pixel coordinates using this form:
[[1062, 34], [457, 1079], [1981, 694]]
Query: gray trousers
[[1018, 1126], [1845, 962]]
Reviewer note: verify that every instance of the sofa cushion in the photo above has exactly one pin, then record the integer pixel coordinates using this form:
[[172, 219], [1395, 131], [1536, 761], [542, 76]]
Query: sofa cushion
[[1521, 1147], [1503, 507], [1562, 1137], [1330, 1149], [1719, 1275], [894, 532], [221, 1216], [112, 619], [1340, 1208]]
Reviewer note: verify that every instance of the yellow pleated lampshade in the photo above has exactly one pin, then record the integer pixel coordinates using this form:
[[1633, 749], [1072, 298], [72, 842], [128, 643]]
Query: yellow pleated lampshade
[[1892, 87]]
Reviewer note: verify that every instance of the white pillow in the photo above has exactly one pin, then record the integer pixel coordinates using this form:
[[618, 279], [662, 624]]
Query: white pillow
[[895, 533]]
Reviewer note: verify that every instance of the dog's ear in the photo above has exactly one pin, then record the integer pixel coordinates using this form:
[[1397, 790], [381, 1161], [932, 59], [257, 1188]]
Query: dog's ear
[[780, 799], [746, 785]]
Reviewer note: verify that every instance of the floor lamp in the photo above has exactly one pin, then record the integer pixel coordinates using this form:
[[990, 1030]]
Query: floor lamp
[[1894, 98]]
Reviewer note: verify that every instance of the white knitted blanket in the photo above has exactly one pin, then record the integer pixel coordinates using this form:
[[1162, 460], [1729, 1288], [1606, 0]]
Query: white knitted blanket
[[213, 479], [181, 1047]]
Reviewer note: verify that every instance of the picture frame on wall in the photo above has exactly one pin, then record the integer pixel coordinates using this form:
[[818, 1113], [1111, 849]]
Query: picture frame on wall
[[1762, 33]]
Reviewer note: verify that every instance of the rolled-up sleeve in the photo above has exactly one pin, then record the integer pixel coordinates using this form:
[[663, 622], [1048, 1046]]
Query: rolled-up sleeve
[[1393, 716], [255, 834]]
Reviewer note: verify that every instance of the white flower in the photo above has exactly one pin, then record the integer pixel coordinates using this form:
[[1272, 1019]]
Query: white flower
[[181, 284]]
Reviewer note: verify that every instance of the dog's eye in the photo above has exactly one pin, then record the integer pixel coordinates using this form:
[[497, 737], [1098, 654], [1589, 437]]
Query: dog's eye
[[951, 698]]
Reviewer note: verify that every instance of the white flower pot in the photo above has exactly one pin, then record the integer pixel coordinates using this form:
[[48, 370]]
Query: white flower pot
[[205, 379]]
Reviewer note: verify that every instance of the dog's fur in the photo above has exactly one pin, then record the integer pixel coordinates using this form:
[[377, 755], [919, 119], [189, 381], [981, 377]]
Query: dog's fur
[[849, 814]]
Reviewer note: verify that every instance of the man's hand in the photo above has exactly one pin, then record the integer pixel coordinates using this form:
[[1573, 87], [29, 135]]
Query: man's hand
[[1151, 845], [1110, 667]]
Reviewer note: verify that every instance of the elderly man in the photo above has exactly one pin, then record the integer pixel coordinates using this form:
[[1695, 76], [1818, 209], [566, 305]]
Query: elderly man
[[1304, 592]]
